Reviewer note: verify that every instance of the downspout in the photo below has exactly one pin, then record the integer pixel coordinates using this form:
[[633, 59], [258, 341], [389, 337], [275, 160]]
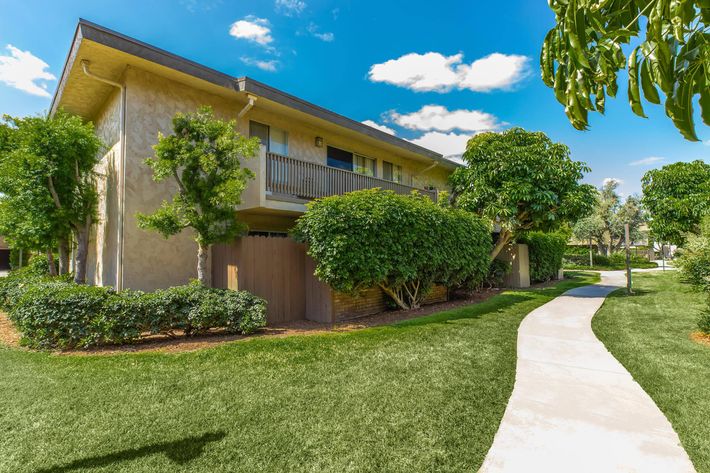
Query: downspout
[[248, 106], [122, 175]]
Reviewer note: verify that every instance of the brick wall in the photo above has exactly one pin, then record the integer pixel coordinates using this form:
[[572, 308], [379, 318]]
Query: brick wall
[[373, 301]]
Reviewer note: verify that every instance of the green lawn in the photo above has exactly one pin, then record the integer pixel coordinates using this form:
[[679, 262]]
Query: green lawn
[[422, 395], [649, 334]]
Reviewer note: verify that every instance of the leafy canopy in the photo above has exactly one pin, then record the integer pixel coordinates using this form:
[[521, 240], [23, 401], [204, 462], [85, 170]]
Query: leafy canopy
[[203, 156], [521, 180], [46, 178], [611, 213], [403, 244], [582, 55], [677, 196]]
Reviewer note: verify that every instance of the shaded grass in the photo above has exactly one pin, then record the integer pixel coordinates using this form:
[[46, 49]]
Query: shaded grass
[[649, 333], [425, 394]]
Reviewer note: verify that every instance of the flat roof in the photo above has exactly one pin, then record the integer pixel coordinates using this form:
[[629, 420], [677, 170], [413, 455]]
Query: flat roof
[[112, 39]]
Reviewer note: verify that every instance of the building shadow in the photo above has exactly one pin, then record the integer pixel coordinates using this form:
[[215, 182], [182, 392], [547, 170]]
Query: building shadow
[[178, 451]]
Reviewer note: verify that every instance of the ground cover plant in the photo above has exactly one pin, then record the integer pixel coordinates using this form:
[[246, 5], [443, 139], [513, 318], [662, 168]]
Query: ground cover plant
[[425, 394], [649, 333]]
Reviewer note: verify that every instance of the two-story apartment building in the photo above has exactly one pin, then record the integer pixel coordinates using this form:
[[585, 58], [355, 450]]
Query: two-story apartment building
[[131, 91]]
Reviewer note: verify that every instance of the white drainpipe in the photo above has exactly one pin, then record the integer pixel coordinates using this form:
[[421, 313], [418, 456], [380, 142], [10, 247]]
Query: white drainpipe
[[122, 175], [247, 107]]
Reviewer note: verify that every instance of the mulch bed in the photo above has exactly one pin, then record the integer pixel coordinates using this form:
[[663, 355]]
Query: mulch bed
[[164, 344], [702, 338]]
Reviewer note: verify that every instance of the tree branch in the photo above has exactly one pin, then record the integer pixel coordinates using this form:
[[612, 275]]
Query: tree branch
[[53, 191]]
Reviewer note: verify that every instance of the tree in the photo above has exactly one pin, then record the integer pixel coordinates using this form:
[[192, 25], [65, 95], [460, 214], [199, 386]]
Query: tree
[[47, 167], [582, 55], [605, 226], [677, 196], [522, 181], [203, 157], [403, 244]]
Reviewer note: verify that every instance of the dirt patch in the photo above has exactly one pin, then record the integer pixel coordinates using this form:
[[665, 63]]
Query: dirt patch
[[8, 334], [702, 338], [178, 343]]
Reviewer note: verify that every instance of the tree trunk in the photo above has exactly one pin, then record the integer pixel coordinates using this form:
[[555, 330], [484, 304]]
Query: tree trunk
[[504, 238], [591, 254], [63, 256], [52, 265], [203, 272], [82, 251]]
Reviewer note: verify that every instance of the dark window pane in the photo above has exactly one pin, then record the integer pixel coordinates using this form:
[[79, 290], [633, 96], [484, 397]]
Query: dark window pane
[[337, 158], [387, 170], [261, 131]]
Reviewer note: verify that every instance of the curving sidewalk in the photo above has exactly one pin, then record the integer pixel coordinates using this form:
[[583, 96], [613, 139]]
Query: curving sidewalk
[[574, 407]]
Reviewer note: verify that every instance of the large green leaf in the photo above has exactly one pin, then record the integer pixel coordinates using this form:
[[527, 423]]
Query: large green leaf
[[649, 89], [634, 93]]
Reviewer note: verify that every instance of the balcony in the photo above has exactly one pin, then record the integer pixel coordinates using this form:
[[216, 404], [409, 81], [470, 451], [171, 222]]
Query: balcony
[[289, 179]]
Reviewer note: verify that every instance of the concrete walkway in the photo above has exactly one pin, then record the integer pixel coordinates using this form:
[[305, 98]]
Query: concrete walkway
[[574, 407]]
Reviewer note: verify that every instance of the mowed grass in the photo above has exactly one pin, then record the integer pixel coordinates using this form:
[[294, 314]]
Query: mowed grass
[[427, 394], [649, 333]]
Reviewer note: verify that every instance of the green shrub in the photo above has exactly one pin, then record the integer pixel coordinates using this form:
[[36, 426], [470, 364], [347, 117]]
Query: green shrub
[[52, 313], [60, 314], [545, 251], [497, 271], [693, 261], [704, 322], [403, 244], [616, 261]]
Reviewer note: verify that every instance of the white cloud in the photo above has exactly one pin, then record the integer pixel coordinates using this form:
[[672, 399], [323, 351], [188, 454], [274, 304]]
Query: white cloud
[[612, 179], [437, 117], [435, 72], [253, 29], [313, 30], [647, 161], [290, 7], [25, 71], [270, 65], [445, 143], [384, 128]]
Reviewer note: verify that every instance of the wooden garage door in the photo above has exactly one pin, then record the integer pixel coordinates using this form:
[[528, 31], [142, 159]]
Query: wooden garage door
[[269, 267]]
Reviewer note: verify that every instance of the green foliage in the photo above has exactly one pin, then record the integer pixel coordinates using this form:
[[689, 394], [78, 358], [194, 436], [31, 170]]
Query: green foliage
[[403, 244], [615, 261], [545, 251], [523, 181], [704, 322], [56, 313], [47, 164], [497, 271], [605, 226], [677, 196], [582, 55], [204, 157]]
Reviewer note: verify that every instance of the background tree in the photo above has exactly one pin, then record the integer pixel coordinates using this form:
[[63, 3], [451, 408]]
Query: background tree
[[203, 157], [677, 196], [49, 166], [582, 55], [522, 181], [605, 226]]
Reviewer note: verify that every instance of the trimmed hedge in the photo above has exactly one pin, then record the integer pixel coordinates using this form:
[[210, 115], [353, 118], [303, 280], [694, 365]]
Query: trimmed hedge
[[545, 251], [56, 313], [615, 261], [402, 243]]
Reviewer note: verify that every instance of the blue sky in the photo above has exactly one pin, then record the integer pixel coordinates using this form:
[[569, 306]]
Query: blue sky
[[431, 75]]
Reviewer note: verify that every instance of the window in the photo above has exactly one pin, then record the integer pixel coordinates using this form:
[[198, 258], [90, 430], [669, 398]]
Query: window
[[275, 139], [337, 158], [364, 165], [341, 159], [391, 172]]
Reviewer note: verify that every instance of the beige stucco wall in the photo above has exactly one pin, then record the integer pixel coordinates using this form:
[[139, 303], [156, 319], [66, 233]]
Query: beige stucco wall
[[103, 249], [150, 261]]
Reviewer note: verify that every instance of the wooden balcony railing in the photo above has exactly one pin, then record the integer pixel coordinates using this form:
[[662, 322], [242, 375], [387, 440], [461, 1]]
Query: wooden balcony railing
[[305, 180]]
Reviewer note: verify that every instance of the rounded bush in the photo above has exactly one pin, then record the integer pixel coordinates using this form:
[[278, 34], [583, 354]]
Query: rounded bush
[[545, 251]]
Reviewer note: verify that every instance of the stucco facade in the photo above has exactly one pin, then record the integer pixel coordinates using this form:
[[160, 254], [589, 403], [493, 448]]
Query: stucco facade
[[156, 86]]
